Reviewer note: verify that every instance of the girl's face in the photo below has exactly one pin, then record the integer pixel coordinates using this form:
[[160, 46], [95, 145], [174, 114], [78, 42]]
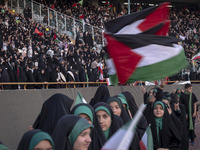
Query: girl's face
[[158, 111], [86, 117], [83, 140], [43, 145], [115, 108], [104, 119]]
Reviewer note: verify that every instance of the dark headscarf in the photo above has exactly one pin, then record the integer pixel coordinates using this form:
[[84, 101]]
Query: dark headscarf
[[142, 124], [53, 109], [98, 137], [124, 114], [31, 138], [102, 94], [67, 130], [116, 121]]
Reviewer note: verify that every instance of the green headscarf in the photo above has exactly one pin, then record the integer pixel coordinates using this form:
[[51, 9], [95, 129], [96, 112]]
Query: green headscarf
[[82, 109], [106, 133], [80, 126], [3, 147], [38, 137], [179, 94], [123, 100], [190, 111], [158, 120], [114, 99]]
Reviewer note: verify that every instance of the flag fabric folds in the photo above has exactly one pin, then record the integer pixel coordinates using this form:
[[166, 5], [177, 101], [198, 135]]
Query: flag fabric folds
[[100, 68], [139, 49], [197, 56], [38, 32], [122, 139], [79, 99], [56, 39], [147, 140]]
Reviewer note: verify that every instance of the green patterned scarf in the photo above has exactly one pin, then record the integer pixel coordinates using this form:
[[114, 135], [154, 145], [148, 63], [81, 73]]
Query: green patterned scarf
[[190, 111]]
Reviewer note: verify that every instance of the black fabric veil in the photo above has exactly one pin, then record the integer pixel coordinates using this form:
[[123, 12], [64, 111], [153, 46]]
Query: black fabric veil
[[53, 109], [102, 94]]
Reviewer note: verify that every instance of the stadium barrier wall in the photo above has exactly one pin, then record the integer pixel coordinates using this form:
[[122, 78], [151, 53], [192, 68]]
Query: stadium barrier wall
[[19, 108]]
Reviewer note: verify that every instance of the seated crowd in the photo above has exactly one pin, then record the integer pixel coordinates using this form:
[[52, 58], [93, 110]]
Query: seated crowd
[[171, 118]]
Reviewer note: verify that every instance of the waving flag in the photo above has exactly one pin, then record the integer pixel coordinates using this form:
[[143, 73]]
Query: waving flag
[[139, 22], [197, 56], [100, 68], [147, 140], [79, 99], [122, 139], [38, 32], [139, 49], [56, 39]]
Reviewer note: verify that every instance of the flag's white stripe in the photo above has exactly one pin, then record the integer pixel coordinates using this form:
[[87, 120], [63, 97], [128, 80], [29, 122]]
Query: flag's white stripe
[[144, 139], [131, 29], [156, 53], [113, 141], [111, 66], [196, 56]]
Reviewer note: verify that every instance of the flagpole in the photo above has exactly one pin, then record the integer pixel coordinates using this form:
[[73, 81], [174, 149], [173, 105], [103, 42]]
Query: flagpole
[[128, 6], [131, 129]]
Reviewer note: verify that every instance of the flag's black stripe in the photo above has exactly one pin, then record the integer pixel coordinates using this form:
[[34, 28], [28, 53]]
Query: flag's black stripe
[[141, 40], [154, 29], [115, 25]]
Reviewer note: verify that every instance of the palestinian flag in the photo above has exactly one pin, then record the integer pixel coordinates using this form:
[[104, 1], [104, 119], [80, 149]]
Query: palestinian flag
[[197, 56], [139, 22], [124, 136], [138, 48], [38, 32], [79, 99], [143, 57], [74, 5], [56, 39], [81, 17], [147, 140], [100, 68], [52, 7]]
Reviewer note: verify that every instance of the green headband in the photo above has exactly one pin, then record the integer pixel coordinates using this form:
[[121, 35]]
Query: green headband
[[84, 110], [123, 100], [80, 126], [103, 108], [3, 147], [159, 103], [38, 137]]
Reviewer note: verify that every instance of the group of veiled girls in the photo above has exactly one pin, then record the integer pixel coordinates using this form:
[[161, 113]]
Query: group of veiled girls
[[89, 126]]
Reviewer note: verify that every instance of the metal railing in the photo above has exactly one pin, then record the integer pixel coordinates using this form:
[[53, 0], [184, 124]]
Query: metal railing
[[62, 23], [46, 84]]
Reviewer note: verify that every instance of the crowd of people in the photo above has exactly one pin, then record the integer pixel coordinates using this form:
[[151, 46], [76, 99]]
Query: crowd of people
[[59, 126], [30, 53], [29, 56]]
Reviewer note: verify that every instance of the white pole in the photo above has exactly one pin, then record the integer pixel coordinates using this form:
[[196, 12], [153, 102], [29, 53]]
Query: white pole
[[128, 6]]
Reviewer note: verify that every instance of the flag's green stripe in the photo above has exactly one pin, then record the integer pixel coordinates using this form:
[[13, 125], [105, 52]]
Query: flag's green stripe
[[158, 70], [57, 41], [149, 139]]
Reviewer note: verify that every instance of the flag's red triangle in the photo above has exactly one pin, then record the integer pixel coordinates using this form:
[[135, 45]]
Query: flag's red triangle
[[52, 7], [165, 29], [156, 17], [124, 59], [142, 146], [54, 36], [81, 17], [74, 5]]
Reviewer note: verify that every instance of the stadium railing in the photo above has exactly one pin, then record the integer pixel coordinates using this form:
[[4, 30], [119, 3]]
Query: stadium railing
[[51, 18]]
